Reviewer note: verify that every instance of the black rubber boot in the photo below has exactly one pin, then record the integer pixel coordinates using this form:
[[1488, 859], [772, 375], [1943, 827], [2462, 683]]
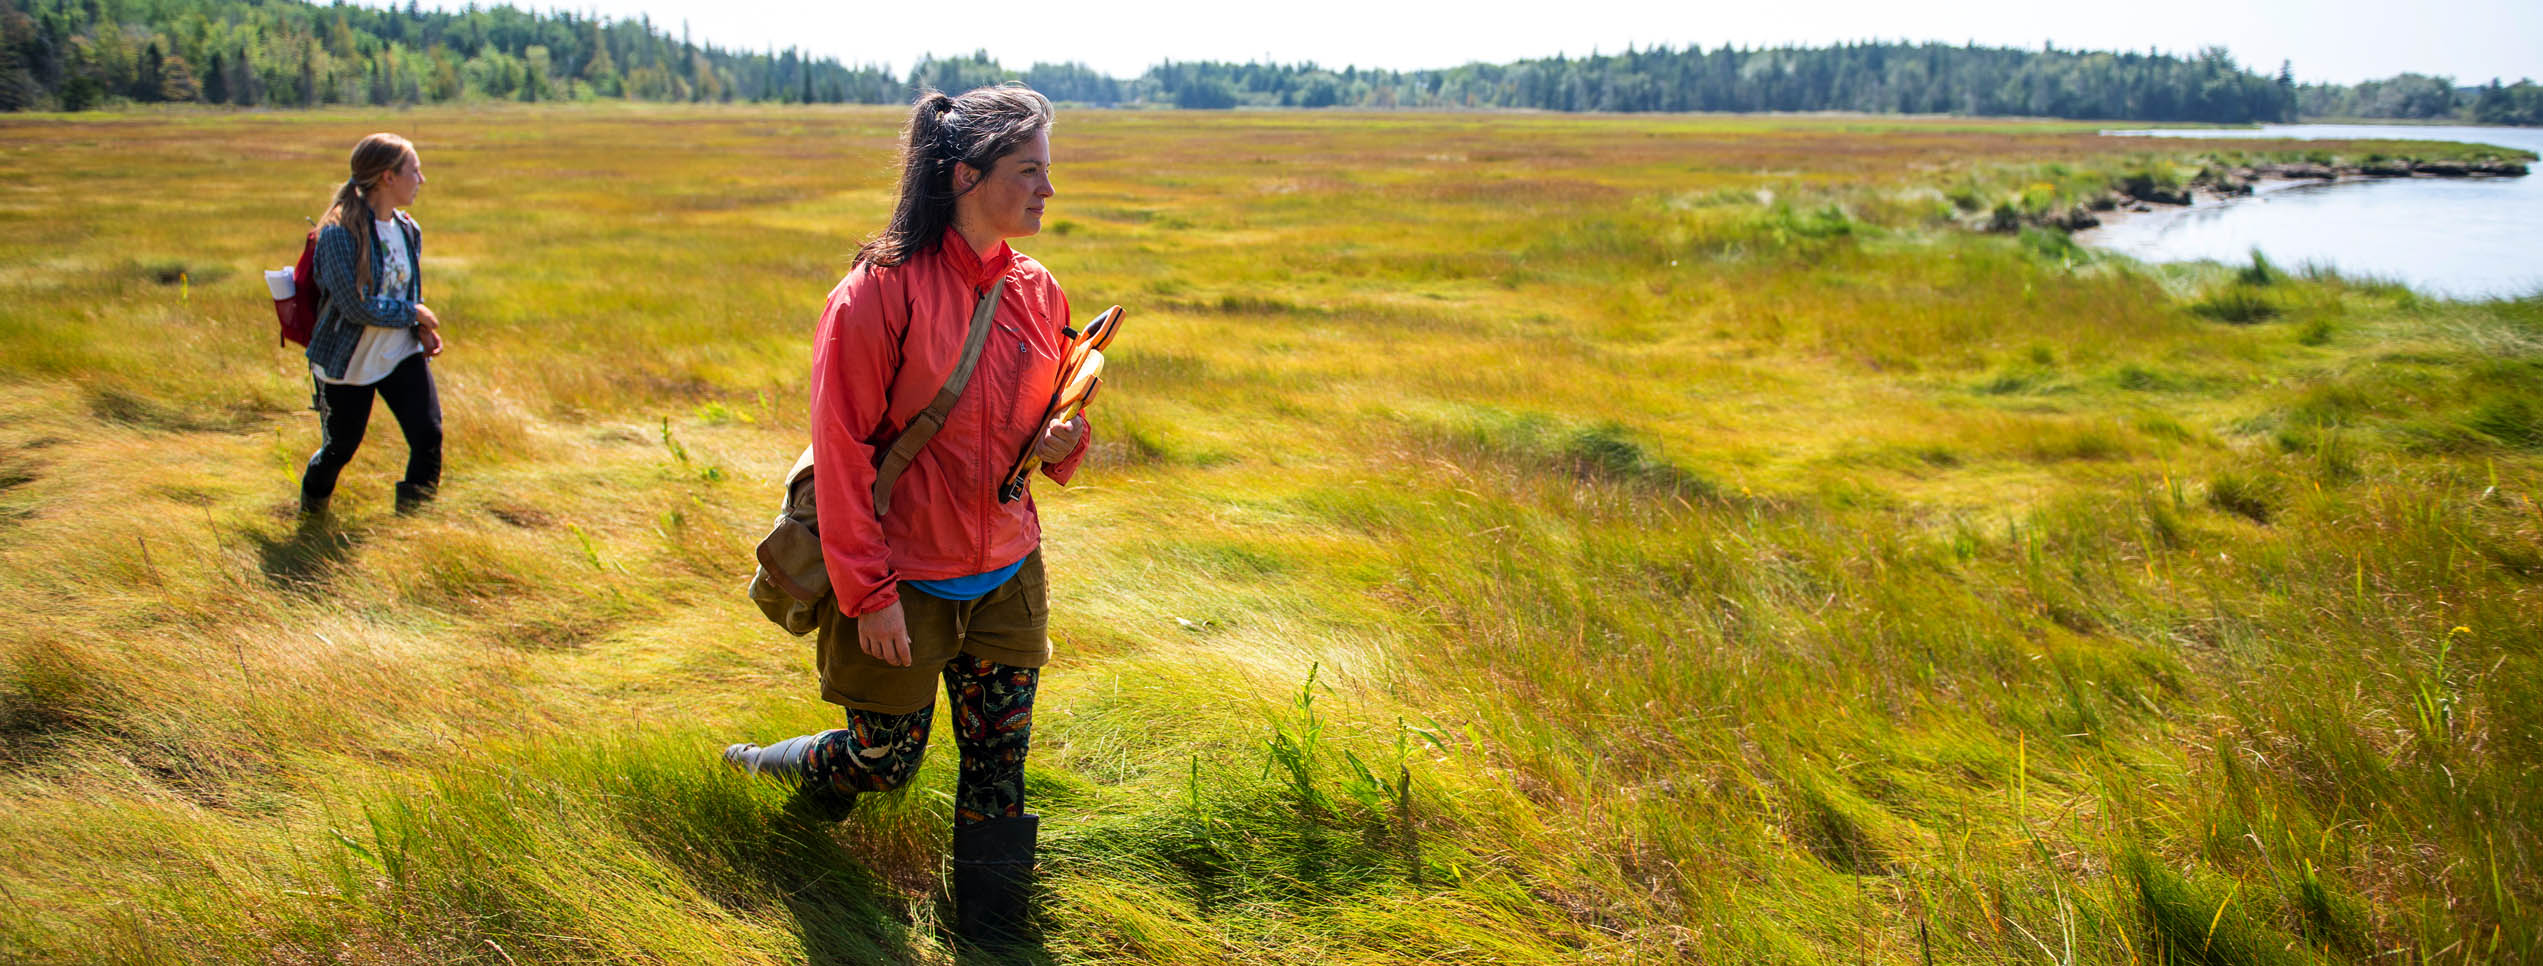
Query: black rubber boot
[[412, 497], [993, 883]]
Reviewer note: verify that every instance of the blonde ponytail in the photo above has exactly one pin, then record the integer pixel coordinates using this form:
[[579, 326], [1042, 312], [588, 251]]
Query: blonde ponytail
[[373, 157]]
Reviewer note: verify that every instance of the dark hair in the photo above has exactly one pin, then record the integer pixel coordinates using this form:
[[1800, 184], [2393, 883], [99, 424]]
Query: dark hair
[[976, 129], [350, 209]]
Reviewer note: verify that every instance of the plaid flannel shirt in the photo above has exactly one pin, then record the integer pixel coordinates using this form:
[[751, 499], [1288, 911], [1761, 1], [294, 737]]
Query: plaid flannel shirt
[[340, 320]]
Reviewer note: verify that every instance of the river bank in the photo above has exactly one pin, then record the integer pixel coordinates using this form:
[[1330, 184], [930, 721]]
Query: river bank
[[2450, 213], [2142, 193], [2140, 200]]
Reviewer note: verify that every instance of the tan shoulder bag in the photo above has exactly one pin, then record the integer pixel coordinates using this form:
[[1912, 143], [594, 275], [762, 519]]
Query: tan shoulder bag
[[792, 583]]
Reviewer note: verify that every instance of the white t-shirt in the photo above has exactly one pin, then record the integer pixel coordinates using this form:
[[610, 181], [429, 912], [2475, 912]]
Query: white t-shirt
[[382, 347]]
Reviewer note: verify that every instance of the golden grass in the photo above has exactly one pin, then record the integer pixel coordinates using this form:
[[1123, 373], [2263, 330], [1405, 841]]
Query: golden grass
[[1509, 538]]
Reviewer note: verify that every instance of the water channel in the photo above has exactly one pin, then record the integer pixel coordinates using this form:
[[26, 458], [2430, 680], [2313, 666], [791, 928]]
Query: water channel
[[2463, 238]]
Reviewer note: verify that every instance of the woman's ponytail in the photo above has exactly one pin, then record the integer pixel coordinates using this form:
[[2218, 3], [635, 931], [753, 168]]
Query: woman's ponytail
[[928, 133], [373, 157]]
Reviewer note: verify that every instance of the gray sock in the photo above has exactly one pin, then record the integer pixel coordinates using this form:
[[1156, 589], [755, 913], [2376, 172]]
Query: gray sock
[[783, 761]]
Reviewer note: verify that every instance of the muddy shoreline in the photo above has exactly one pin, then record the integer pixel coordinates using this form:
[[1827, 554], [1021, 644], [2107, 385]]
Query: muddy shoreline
[[2140, 196]]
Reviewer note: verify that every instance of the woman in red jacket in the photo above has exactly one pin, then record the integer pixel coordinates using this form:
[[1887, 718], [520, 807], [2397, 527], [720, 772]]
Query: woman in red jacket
[[942, 579]]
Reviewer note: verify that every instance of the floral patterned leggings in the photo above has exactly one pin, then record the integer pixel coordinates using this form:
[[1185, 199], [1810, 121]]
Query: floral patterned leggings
[[993, 727]]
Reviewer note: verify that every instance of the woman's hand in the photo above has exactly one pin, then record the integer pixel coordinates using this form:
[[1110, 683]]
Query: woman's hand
[[884, 635], [428, 329], [1060, 439]]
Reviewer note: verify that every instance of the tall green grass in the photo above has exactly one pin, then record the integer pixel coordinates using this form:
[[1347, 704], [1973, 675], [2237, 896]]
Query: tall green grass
[[1508, 539]]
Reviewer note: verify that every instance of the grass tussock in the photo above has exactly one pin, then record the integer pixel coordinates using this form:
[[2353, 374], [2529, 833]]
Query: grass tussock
[[2241, 304], [1507, 539], [2248, 495]]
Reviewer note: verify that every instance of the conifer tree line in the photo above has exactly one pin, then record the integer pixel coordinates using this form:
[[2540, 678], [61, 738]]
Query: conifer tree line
[[1870, 77], [2421, 97], [83, 54]]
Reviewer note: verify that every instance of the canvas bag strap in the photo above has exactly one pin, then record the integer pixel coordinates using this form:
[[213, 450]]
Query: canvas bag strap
[[923, 426]]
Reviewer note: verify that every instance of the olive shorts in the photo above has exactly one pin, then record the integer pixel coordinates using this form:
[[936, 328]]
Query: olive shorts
[[1010, 626]]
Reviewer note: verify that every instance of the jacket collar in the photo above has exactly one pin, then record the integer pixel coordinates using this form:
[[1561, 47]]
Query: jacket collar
[[975, 270]]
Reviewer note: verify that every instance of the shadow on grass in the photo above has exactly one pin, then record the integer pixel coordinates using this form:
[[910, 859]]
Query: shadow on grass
[[47, 691], [533, 847], [845, 912], [854, 888], [1031, 953], [304, 554]]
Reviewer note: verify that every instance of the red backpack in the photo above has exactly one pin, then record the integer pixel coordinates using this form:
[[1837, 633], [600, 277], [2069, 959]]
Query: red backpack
[[298, 315]]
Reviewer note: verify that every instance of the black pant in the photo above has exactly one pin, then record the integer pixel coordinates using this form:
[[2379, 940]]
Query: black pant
[[345, 412]]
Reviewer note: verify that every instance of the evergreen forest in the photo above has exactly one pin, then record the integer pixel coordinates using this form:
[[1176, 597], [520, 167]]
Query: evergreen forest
[[2420, 97], [73, 55]]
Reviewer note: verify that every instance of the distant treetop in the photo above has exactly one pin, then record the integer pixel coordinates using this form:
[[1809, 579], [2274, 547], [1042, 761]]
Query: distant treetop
[[83, 54]]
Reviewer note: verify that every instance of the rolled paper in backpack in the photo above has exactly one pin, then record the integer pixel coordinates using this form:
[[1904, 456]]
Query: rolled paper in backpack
[[278, 281]]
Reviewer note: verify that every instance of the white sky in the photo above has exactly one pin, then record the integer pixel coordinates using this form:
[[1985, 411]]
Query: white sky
[[2343, 41]]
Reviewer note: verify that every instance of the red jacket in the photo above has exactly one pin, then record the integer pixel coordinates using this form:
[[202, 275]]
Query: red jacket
[[888, 339]]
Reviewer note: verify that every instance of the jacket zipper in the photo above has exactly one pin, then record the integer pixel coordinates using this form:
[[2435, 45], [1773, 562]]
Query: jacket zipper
[[988, 438]]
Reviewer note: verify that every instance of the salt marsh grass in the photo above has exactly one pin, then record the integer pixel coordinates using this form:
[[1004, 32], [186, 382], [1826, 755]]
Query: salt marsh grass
[[1509, 538]]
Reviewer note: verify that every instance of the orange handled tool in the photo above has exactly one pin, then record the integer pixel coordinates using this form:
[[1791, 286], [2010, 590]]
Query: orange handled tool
[[1081, 373]]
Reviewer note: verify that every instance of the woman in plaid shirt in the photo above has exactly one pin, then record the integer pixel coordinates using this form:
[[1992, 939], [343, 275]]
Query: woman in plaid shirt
[[374, 333]]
